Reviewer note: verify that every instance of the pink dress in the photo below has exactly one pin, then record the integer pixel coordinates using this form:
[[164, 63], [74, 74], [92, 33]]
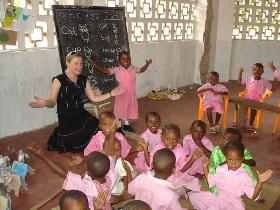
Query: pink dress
[[97, 141], [126, 107], [255, 88], [179, 179], [92, 188], [276, 74], [189, 146], [213, 101], [231, 185], [153, 140], [158, 193]]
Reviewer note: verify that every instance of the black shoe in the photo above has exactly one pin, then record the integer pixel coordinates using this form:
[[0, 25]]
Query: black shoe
[[128, 128]]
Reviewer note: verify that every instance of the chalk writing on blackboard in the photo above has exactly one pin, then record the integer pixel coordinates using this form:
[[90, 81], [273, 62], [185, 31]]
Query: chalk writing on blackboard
[[97, 32]]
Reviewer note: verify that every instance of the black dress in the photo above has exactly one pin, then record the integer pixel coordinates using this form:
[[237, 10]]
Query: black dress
[[75, 125]]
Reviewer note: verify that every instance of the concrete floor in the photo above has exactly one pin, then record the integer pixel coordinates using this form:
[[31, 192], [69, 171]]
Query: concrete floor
[[265, 148]]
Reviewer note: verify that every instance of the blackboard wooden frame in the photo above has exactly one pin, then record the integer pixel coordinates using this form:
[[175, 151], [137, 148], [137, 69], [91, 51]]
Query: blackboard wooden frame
[[101, 84]]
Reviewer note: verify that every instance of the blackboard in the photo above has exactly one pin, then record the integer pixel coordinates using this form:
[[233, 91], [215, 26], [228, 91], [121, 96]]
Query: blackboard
[[97, 32]]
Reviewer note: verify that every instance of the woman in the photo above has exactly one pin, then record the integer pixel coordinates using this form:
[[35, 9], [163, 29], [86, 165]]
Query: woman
[[76, 125]]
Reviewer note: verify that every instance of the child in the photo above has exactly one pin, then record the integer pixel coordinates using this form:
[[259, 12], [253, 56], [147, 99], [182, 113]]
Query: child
[[125, 107], [212, 100], [73, 199], [255, 87], [192, 142], [77, 200], [170, 140], [152, 136], [103, 141], [155, 190], [232, 182], [218, 158], [99, 178], [137, 205]]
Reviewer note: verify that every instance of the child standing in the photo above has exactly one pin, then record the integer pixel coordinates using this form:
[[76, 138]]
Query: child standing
[[103, 141], [212, 100], [125, 107], [232, 182], [152, 136], [192, 142], [218, 158], [155, 190], [255, 87]]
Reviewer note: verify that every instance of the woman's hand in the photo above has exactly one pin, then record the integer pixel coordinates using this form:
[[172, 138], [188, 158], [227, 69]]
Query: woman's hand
[[117, 91], [38, 103]]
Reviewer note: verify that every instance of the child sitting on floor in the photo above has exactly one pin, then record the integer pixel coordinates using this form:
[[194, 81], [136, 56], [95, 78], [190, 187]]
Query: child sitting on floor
[[103, 141], [170, 140], [152, 136], [155, 189], [77, 200], [137, 205], [232, 182], [212, 100], [218, 158], [99, 177], [255, 87], [192, 142]]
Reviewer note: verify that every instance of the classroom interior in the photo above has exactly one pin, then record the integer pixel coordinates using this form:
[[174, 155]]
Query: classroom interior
[[220, 35]]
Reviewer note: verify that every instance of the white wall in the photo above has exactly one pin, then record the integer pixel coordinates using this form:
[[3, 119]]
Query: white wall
[[28, 73], [247, 52], [23, 75]]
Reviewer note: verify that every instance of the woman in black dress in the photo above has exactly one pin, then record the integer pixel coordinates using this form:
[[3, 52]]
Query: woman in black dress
[[75, 125]]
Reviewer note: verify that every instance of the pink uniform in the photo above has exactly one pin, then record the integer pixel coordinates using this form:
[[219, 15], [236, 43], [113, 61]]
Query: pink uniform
[[97, 141], [153, 140], [231, 185], [91, 187], [210, 100], [125, 106], [179, 179], [255, 88], [277, 74], [158, 193], [189, 146]]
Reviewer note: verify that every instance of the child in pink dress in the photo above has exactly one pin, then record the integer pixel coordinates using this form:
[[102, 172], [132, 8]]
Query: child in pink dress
[[152, 136], [170, 140], [103, 139], [255, 87], [212, 100], [155, 189], [232, 182], [193, 142], [100, 177], [125, 107]]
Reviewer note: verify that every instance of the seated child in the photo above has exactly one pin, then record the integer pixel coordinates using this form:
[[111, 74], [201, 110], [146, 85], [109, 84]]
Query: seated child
[[136, 205], [212, 100], [155, 190], [255, 87], [100, 177], [152, 136], [73, 199], [102, 141], [194, 141], [218, 158], [170, 140], [232, 182]]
